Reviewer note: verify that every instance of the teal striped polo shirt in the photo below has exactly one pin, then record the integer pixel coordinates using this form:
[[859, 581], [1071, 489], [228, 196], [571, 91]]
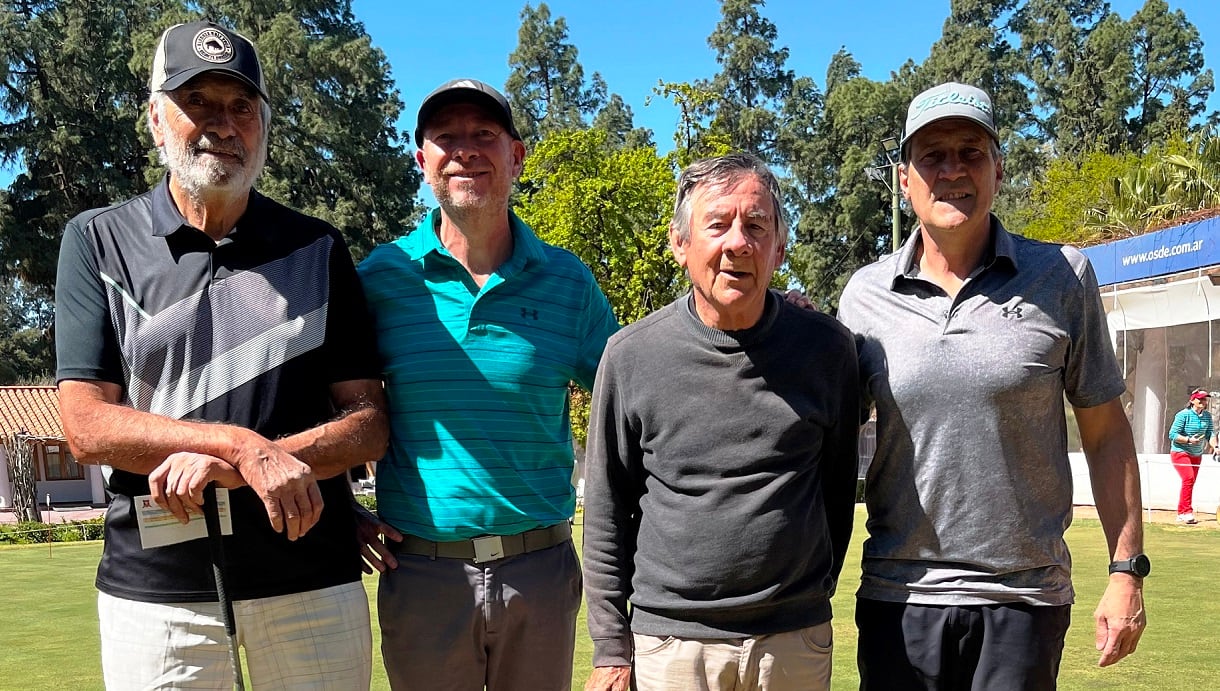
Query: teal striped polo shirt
[[478, 382]]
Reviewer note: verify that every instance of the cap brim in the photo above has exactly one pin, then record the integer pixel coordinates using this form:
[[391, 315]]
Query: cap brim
[[986, 128], [187, 75], [461, 95]]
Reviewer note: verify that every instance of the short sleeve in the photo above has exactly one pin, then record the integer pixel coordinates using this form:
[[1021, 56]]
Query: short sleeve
[[85, 343]]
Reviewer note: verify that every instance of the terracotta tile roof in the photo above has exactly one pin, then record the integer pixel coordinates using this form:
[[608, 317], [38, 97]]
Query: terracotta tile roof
[[34, 409]]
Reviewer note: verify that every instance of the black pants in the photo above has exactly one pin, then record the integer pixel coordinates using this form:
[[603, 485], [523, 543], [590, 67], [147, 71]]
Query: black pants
[[1012, 647]]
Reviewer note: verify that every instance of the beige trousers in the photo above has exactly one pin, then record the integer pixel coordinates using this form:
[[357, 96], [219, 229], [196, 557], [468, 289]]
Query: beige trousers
[[793, 661], [317, 640]]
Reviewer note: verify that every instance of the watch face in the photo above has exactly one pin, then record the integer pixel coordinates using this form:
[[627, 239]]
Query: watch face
[[1141, 565]]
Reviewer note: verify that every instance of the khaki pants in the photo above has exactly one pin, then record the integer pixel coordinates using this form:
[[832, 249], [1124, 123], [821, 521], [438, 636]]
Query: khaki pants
[[793, 661], [321, 639]]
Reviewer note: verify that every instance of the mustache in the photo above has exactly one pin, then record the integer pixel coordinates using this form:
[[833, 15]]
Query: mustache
[[206, 144]]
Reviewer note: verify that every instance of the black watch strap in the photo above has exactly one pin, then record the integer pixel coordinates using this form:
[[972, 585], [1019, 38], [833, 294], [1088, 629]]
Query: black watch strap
[[1138, 565]]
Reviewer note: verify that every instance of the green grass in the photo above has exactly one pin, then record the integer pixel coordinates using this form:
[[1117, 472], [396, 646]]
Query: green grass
[[49, 640]]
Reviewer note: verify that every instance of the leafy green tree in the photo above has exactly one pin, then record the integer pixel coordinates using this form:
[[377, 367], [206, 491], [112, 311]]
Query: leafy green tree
[[1194, 174], [696, 136], [547, 86], [1070, 191], [843, 215], [68, 112], [610, 206], [752, 83]]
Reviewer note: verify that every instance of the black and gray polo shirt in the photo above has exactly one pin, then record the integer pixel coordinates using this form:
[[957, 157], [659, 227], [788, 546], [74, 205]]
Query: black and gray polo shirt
[[250, 331]]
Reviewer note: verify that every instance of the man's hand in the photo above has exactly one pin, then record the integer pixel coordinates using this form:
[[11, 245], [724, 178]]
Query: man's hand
[[799, 299], [373, 551], [177, 484], [609, 679], [286, 486], [1120, 618]]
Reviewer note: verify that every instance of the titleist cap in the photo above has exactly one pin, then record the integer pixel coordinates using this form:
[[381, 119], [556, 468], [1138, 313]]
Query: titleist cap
[[949, 100], [188, 50]]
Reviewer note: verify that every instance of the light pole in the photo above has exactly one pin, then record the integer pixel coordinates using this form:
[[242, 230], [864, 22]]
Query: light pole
[[893, 154]]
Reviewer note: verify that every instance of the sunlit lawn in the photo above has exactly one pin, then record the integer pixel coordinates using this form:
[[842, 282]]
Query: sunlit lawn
[[49, 640]]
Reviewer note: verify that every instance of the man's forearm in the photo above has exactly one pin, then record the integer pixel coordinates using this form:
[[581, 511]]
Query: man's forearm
[[358, 436], [1116, 492], [103, 432], [1114, 475]]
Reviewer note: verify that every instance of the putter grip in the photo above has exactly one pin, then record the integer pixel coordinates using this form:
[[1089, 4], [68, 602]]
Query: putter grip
[[211, 515]]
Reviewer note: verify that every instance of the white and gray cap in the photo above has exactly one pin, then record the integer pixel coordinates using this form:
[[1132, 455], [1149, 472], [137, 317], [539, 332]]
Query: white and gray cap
[[188, 50], [949, 100]]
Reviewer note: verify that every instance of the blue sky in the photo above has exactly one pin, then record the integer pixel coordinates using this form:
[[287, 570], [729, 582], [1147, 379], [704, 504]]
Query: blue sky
[[636, 43]]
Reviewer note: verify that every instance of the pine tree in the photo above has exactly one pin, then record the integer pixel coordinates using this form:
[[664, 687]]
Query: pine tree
[[752, 83], [547, 86]]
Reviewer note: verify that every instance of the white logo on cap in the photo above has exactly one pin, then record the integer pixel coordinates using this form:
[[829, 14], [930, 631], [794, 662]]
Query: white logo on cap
[[213, 45]]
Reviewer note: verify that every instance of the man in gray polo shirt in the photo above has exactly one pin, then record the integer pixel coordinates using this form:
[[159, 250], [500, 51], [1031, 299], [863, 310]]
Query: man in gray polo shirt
[[969, 338]]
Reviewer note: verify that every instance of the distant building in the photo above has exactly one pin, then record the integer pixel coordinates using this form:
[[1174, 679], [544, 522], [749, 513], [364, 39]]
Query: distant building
[[30, 415], [1161, 292]]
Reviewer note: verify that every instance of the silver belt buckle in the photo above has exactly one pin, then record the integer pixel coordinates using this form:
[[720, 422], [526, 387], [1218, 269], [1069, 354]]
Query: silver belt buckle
[[489, 548]]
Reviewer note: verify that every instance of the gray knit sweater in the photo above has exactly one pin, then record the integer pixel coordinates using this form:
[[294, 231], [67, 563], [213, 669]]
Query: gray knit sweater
[[720, 477]]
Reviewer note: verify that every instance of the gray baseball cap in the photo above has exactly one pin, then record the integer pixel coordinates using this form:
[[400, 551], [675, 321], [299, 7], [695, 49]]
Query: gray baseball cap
[[949, 100], [464, 91], [186, 51]]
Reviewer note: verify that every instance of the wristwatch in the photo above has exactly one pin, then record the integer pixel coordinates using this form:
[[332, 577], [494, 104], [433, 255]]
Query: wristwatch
[[1136, 566]]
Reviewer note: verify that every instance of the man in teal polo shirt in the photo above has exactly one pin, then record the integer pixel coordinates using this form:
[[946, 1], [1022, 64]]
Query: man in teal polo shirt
[[482, 328]]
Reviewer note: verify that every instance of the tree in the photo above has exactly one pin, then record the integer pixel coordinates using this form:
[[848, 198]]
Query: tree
[[546, 87], [26, 352], [695, 136], [1071, 188], [616, 120], [1167, 63], [610, 206], [70, 106], [752, 82], [844, 216]]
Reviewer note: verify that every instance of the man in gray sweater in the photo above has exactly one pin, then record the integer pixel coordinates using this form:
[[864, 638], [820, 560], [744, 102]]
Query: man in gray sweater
[[721, 462]]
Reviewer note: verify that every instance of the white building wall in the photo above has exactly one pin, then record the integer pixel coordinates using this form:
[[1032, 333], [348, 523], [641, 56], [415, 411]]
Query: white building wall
[[1160, 482]]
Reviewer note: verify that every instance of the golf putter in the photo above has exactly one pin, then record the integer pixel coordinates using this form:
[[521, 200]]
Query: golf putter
[[211, 514]]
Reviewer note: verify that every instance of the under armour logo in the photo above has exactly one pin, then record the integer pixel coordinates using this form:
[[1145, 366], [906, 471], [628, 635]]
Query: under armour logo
[[1013, 312], [531, 314]]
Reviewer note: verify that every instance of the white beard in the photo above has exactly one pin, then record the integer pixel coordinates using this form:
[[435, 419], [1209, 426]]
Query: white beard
[[200, 177]]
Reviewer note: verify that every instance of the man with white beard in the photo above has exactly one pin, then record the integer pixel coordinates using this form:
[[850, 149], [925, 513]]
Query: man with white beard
[[206, 334]]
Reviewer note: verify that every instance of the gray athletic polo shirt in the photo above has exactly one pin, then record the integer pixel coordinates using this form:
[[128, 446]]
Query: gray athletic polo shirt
[[970, 491]]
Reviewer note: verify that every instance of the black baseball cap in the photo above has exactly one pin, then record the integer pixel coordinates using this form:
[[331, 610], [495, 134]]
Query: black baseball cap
[[186, 51], [465, 91]]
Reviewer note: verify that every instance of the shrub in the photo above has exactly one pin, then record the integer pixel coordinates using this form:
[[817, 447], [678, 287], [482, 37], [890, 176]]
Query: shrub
[[368, 501], [33, 532]]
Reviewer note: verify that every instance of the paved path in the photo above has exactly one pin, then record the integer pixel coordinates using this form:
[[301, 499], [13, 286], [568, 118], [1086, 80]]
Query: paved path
[[1206, 521]]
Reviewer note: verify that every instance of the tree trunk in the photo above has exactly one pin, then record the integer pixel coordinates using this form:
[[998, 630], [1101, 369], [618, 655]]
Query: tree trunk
[[21, 463]]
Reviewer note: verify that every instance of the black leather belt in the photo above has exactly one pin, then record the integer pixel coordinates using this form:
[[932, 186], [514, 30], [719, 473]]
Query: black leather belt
[[486, 548]]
